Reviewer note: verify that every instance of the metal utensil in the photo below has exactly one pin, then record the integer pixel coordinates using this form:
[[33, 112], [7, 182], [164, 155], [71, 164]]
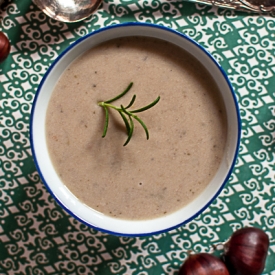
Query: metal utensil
[[68, 10], [76, 10], [252, 6]]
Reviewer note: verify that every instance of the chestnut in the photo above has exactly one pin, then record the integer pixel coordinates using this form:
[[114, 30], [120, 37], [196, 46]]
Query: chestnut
[[4, 47], [203, 264], [245, 252]]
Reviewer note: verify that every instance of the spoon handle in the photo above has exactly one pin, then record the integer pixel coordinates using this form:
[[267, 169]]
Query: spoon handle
[[253, 6]]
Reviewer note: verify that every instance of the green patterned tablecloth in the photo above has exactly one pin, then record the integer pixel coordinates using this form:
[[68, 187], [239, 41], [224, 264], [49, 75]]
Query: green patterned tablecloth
[[38, 237]]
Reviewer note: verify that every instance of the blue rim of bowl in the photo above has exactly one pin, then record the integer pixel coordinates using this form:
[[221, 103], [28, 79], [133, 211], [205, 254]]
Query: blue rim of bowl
[[127, 24]]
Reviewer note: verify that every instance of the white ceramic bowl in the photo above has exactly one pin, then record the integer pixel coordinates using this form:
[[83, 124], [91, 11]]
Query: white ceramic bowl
[[86, 214]]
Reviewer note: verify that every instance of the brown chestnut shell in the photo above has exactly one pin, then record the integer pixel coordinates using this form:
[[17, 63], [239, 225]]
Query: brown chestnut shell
[[246, 251], [4, 47], [203, 264]]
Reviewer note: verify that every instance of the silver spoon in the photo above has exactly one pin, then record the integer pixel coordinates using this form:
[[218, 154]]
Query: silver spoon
[[68, 10]]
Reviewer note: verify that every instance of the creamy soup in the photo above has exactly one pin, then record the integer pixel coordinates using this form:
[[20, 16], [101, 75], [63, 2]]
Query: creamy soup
[[146, 178]]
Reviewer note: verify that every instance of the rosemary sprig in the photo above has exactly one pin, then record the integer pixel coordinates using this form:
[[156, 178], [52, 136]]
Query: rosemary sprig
[[126, 115]]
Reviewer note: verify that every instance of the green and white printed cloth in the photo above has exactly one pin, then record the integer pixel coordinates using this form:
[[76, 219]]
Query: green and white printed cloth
[[38, 237]]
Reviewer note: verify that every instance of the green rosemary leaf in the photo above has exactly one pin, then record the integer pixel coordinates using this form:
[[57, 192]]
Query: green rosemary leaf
[[122, 94], [146, 107], [130, 131], [124, 113], [131, 102], [127, 125], [138, 119], [106, 121], [143, 125]]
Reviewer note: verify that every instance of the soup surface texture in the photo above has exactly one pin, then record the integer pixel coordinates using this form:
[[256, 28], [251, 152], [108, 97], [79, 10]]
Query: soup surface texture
[[146, 178]]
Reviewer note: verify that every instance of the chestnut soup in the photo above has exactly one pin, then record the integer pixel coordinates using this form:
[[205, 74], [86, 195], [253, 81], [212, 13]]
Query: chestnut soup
[[146, 178]]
